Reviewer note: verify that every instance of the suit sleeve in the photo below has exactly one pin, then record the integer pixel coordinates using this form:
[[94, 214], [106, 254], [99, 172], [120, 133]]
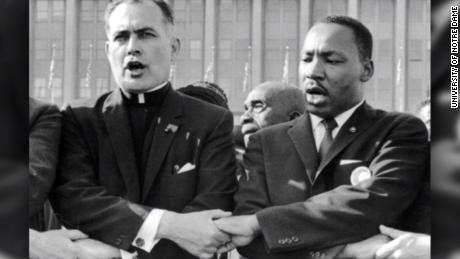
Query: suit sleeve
[[347, 213], [44, 135], [83, 204], [351, 213], [252, 197], [216, 167]]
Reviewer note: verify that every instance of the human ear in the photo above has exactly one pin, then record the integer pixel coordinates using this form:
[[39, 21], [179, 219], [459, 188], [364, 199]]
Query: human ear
[[368, 70]]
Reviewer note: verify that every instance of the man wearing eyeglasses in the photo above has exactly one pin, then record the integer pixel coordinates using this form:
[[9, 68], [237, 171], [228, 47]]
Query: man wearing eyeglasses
[[333, 175], [268, 104]]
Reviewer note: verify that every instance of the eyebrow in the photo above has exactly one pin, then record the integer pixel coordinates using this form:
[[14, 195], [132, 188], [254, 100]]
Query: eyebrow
[[144, 29], [324, 53], [136, 31], [254, 102]]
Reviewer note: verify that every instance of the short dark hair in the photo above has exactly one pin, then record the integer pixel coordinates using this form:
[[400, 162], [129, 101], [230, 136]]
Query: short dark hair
[[363, 37], [168, 14], [206, 91]]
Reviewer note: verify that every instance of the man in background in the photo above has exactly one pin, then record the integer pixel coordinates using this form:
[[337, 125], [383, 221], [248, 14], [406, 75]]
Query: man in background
[[270, 103], [46, 239]]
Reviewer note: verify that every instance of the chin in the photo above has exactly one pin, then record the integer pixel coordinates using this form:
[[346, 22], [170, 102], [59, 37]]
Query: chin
[[136, 87], [320, 111]]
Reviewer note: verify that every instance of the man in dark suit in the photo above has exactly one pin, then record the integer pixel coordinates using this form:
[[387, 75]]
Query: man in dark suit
[[47, 240], [333, 175], [44, 135], [144, 168]]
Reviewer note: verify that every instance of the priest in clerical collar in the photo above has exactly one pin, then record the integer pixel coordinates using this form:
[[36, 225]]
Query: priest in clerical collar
[[144, 168]]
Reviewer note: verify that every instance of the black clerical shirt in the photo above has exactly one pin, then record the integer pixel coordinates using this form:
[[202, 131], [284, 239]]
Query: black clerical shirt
[[143, 112]]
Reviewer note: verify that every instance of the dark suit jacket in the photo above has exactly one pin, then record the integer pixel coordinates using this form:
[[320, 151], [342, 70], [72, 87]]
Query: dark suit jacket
[[98, 190], [44, 135], [299, 215], [417, 218]]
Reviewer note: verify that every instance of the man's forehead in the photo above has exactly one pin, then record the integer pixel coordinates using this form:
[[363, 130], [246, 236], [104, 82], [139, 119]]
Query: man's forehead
[[256, 95], [329, 37], [135, 15]]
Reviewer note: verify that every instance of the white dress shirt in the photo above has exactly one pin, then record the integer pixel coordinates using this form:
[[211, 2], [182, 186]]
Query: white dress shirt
[[319, 129]]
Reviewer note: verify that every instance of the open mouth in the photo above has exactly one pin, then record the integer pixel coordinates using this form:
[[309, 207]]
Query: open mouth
[[135, 68], [316, 90], [135, 65]]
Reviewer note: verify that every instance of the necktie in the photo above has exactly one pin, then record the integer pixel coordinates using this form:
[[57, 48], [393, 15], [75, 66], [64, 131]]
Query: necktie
[[329, 125]]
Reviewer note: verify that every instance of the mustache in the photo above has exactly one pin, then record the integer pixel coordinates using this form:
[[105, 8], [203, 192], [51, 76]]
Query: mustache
[[313, 87]]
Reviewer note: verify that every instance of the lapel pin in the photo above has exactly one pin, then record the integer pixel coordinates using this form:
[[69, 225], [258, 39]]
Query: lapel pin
[[159, 120], [187, 135], [353, 129], [198, 142], [171, 128]]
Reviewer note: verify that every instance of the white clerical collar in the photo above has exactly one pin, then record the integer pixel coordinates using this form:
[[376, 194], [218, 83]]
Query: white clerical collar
[[340, 119], [140, 96]]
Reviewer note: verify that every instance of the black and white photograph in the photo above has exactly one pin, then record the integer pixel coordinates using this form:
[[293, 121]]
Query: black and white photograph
[[230, 129]]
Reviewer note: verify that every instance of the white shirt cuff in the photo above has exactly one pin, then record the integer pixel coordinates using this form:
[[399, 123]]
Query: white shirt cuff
[[145, 238], [127, 255]]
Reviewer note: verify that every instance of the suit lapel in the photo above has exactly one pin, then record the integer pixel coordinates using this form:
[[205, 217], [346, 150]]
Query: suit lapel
[[359, 121], [302, 136], [168, 123], [117, 120]]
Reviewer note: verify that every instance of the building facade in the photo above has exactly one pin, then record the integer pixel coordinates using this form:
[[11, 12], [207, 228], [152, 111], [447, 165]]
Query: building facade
[[234, 43]]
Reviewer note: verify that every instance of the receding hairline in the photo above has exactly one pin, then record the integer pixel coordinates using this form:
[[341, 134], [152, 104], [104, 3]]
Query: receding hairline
[[164, 10], [289, 95]]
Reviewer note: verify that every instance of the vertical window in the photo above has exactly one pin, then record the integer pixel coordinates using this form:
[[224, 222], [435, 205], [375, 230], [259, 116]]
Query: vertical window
[[190, 30], [87, 10], [195, 49], [42, 10], [281, 38], [58, 9], [40, 88], [233, 49], [57, 88], [85, 90], [101, 86]]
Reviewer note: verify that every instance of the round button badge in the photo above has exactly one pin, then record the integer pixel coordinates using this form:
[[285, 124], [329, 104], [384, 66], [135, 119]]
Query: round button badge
[[359, 175]]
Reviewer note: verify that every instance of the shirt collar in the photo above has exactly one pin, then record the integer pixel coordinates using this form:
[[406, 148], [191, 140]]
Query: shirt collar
[[340, 119], [156, 88]]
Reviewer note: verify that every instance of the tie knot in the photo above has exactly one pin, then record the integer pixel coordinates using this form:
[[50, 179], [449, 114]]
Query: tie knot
[[329, 124]]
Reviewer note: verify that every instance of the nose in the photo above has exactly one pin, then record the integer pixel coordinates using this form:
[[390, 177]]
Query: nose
[[134, 47], [246, 117], [314, 69]]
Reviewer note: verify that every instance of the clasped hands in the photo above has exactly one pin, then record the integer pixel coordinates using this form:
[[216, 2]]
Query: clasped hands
[[206, 233]]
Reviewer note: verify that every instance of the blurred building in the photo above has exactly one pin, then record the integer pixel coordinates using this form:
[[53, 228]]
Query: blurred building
[[235, 43]]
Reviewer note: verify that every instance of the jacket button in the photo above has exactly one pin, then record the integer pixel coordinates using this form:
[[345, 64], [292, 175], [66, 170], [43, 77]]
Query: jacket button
[[139, 242], [118, 241]]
